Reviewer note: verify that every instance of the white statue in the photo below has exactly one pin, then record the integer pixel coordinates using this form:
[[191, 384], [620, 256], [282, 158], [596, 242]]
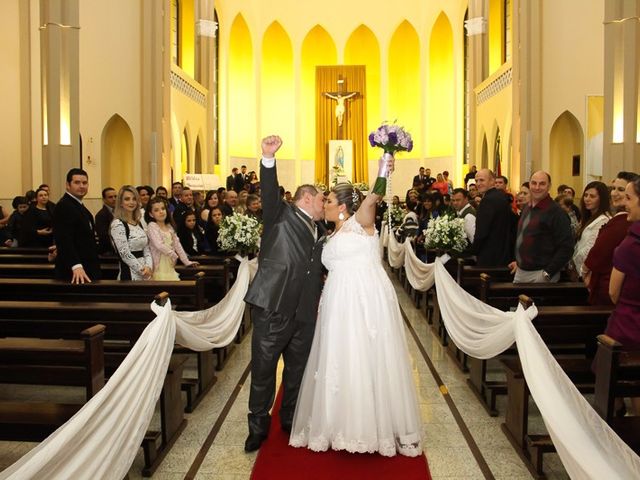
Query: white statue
[[340, 106]]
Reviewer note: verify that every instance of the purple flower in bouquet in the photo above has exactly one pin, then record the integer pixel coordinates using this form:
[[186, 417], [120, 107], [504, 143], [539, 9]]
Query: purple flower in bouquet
[[391, 138]]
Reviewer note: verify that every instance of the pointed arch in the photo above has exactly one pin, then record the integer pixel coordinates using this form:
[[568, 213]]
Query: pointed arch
[[566, 141], [363, 48], [484, 157], [184, 153], [241, 91], [440, 139], [197, 157], [404, 81], [277, 86], [116, 152], [318, 48], [497, 153]]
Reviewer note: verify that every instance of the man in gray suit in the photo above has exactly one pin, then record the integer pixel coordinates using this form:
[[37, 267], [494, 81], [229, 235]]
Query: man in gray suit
[[284, 294]]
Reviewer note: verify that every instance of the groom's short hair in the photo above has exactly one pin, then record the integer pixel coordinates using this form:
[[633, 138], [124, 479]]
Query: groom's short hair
[[306, 188]]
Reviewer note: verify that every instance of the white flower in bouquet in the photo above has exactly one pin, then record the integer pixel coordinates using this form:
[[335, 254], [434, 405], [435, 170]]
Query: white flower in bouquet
[[239, 233], [446, 233]]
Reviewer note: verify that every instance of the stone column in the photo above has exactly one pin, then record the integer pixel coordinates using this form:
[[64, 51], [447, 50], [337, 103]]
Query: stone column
[[206, 31], [477, 68], [621, 150], [59, 43]]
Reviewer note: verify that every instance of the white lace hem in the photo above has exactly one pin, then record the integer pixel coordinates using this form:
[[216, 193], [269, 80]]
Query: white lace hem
[[385, 447]]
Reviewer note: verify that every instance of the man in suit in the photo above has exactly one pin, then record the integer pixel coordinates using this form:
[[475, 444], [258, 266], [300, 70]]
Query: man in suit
[[103, 220], [73, 230], [465, 211], [231, 179], [495, 224], [176, 195], [284, 295], [420, 178]]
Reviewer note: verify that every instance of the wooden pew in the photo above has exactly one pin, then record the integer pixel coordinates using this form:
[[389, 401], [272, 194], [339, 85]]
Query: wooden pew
[[504, 296], [617, 376], [124, 323], [37, 361], [570, 333]]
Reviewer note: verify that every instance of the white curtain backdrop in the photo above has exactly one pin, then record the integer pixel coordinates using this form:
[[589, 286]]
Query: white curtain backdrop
[[103, 438], [587, 446]]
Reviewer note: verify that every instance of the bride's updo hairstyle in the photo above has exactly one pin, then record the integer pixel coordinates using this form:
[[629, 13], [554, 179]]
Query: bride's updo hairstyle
[[349, 196]]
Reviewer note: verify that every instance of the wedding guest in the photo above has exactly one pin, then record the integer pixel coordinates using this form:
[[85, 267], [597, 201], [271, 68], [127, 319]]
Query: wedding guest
[[599, 262], [440, 185], [176, 194], [624, 322], [161, 192], [50, 205], [145, 192], [253, 182], [103, 220], [212, 228], [241, 207], [129, 238], [14, 224], [191, 235], [210, 200], [37, 223], [254, 208], [73, 228], [471, 176], [445, 175], [163, 241], [185, 205], [594, 211], [566, 204], [230, 203]]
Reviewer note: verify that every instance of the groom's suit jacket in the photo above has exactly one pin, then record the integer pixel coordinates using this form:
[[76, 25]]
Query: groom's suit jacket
[[289, 278]]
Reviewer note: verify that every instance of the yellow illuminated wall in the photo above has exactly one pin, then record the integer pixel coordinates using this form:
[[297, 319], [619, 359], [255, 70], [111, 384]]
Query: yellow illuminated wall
[[441, 94], [277, 88], [496, 34], [318, 48], [362, 49], [116, 153], [565, 141], [241, 92], [186, 15], [405, 96]]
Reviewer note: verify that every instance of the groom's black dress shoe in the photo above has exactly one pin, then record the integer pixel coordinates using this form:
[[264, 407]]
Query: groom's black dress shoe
[[253, 442]]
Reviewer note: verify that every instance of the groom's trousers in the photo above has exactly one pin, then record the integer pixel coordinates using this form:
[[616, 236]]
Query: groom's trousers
[[273, 335]]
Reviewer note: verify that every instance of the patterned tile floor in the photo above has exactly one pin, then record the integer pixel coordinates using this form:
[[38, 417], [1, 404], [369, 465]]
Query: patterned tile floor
[[448, 453]]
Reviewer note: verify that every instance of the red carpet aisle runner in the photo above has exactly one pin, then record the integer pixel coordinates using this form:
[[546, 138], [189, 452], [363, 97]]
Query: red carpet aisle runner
[[276, 460]]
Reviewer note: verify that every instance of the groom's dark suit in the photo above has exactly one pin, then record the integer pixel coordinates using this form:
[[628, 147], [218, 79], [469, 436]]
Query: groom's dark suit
[[285, 294]]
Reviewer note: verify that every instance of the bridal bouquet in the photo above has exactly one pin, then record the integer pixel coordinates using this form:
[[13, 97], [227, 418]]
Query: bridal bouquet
[[239, 233], [397, 215], [446, 233], [391, 138]]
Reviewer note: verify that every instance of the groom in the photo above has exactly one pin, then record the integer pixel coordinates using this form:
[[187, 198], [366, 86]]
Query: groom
[[284, 294]]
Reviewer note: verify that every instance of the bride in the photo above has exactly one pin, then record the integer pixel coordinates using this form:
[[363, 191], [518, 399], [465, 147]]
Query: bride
[[357, 392]]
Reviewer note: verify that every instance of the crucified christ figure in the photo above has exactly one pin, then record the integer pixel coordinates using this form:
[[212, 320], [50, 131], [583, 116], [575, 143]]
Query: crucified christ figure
[[340, 106]]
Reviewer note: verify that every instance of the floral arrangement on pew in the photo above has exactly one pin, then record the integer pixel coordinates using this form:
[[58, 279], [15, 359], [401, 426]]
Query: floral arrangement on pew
[[239, 233], [446, 233], [397, 215]]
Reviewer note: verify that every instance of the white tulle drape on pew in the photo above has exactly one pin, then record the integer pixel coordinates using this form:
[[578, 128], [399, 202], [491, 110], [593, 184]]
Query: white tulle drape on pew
[[102, 440], [587, 446]]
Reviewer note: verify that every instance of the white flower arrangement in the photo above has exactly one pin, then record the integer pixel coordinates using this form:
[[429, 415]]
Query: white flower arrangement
[[239, 233], [321, 186], [446, 233], [397, 215]]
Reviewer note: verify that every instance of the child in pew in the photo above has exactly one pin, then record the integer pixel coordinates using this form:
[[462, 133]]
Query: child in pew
[[191, 235], [163, 241]]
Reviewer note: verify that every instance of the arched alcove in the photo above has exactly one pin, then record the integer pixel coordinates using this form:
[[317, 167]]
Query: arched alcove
[[362, 48], [318, 48], [184, 153], [241, 111], [566, 155], [484, 160], [116, 153], [497, 153], [404, 82], [197, 158], [440, 139], [277, 98]]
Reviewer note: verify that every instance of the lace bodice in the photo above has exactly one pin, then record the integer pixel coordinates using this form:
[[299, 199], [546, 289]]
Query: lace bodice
[[351, 247]]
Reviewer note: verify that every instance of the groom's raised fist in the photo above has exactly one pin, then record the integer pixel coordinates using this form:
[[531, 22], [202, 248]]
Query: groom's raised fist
[[270, 145]]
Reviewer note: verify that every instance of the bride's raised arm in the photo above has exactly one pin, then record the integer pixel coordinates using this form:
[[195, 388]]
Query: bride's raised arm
[[366, 214]]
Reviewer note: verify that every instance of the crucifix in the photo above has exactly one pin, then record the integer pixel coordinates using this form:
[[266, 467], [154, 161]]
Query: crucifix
[[340, 97]]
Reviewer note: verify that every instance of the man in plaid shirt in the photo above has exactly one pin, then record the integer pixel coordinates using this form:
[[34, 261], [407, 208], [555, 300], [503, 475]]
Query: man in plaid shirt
[[544, 244]]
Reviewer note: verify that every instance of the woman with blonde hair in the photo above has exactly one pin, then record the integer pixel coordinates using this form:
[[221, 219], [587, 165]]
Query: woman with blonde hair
[[129, 238]]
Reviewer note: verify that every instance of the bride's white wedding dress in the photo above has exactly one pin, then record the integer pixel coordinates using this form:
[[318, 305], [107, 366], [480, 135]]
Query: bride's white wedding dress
[[357, 393]]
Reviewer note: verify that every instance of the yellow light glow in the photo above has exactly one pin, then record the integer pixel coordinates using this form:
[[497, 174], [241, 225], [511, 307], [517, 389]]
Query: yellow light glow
[[277, 98], [187, 37], [405, 98], [618, 129], [317, 49], [496, 35], [618, 88], [441, 110], [242, 92], [362, 49]]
